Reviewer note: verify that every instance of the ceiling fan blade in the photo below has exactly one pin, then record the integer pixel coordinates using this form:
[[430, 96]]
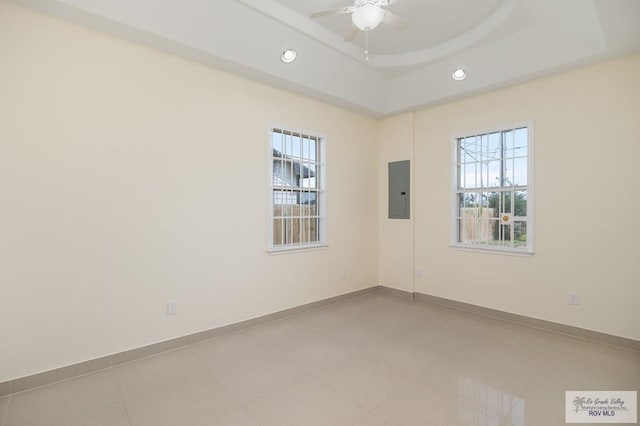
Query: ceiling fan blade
[[387, 2], [330, 12], [352, 33], [394, 20]]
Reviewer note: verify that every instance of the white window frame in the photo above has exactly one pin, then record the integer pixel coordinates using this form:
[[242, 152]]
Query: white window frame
[[455, 190], [320, 191]]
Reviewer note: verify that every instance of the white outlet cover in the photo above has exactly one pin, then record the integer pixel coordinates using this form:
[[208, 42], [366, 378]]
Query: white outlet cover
[[574, 298], [172, 307]]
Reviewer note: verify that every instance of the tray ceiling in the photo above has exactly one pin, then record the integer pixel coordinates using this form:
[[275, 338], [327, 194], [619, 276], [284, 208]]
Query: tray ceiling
[[498, 42]]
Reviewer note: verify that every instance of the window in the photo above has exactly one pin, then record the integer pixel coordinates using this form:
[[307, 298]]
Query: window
[[493, 202], [297, 195]]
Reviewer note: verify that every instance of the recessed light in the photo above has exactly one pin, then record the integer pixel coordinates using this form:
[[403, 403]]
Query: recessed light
[[459, 74], [288, 56]]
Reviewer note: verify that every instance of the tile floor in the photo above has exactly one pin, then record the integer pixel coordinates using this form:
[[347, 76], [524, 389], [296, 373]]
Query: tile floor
[[375, 360]]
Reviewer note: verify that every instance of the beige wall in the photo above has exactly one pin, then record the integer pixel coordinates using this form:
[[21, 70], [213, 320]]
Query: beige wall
[[587, 200], [129, 177], [395, 265]]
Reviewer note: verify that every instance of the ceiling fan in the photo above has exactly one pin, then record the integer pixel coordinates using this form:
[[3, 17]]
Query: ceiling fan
[[366, 15]]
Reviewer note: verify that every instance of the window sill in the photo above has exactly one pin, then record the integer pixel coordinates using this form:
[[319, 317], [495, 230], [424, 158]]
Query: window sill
[[296, 249], [498, 251]]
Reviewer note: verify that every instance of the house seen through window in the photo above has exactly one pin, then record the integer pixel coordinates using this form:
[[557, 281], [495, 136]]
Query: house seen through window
[[297, 190]]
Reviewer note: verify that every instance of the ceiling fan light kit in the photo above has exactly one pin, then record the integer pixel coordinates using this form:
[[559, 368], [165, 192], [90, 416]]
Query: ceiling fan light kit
[[367, 16]]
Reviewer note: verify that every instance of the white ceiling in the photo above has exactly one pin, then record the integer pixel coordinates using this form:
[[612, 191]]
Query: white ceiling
[[432, 22], [499, 42]]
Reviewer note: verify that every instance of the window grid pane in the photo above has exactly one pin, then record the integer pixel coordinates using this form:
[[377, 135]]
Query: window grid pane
[[296, 187], [496, 161]]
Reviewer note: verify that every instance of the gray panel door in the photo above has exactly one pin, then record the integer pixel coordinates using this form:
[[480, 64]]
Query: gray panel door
[[399, 194]]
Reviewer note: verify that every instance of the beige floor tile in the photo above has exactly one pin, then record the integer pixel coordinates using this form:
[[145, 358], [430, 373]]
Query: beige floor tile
[[359, 333], [327, 320], [544, 400], [3, 408], [375, 360], [421, 404], [306, 402], [227, 349], [280, 333], [254, 377], [366, 381], [410, 352], [394, 318], [87, 400], [237, 417], [171, 389], [514, 349], [584, 365], [315, 353], [544, 404], [477, 386], [373, 420], [364, 305], [456, 339], [394, 314]]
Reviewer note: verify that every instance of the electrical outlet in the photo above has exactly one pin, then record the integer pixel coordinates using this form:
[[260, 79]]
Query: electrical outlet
[[419, 274], [344, 274], [172, 307], [574, 298]]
